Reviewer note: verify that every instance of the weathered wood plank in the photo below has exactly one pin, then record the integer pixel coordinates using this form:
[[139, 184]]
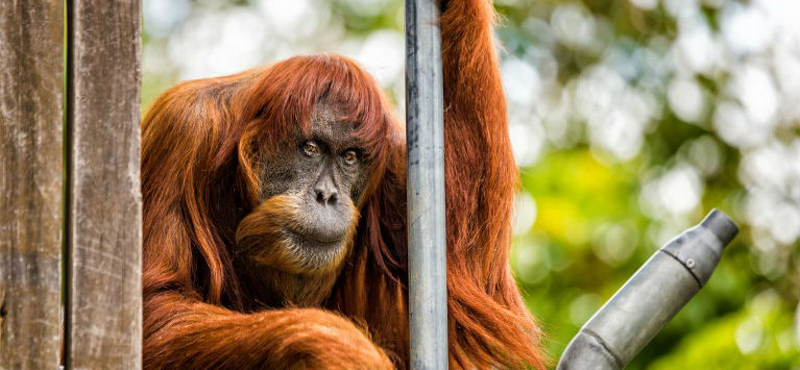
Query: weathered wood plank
[[31, 179], [104, 217]]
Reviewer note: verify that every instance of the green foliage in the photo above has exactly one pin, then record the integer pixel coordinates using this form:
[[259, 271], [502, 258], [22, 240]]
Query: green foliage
[[598, 215]]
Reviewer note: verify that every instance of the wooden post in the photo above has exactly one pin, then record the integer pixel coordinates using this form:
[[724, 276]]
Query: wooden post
[[31, 179], [103, 311], [427, 269]]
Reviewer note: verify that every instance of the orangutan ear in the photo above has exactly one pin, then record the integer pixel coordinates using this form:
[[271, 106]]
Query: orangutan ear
[[250, 161]]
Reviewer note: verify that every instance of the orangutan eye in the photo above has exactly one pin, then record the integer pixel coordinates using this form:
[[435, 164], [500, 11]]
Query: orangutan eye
[[350, 157], [311, 148]]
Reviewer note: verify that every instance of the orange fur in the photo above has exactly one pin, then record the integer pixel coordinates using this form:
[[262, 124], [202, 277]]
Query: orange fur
[[204, 144]]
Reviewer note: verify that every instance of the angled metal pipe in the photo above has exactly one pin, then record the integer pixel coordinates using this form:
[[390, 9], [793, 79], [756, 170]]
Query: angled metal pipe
[[426, 212], [650, 298]]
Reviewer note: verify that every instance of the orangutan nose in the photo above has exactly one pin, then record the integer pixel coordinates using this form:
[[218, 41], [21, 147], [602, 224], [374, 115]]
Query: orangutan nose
[[325, 190]]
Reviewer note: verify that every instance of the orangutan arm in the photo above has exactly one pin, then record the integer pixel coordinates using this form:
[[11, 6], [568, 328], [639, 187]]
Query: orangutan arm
[[181, 333], [489, 324]]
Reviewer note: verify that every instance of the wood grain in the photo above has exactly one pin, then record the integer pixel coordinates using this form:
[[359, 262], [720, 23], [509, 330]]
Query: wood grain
[[104, 217], [31, 179]]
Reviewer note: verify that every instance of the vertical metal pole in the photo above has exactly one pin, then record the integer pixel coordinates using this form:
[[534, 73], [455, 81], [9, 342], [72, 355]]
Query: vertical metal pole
[[426, 212]]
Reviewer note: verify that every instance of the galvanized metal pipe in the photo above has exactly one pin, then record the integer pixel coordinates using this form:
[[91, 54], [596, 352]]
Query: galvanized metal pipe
[[426, 212], [650, 298]]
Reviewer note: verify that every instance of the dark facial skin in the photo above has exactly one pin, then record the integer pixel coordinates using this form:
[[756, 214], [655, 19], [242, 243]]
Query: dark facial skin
[[321, 178], [326, 170]]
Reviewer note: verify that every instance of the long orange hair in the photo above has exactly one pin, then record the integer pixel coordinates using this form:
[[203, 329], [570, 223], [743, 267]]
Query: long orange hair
[[204, 145]]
